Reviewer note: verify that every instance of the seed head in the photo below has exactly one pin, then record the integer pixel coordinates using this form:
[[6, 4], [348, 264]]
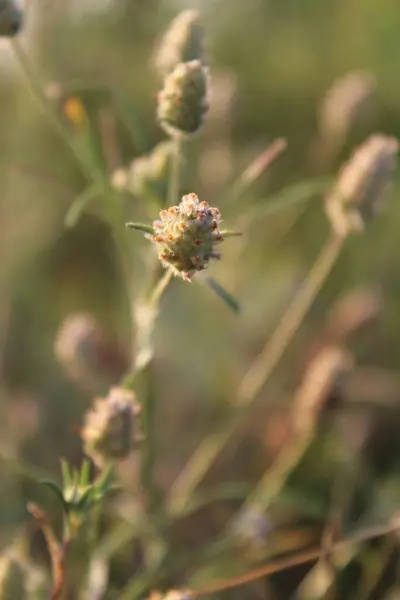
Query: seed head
[[146, 176], [183, 102], [358, 192], [12, 579], [183, 42], [187, 236], [345, 103], [111, 429], [11, 17], [86, 352]]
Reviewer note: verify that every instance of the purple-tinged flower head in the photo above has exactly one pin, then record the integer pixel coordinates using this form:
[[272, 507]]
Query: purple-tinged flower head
[[111, 427], [187, 236]]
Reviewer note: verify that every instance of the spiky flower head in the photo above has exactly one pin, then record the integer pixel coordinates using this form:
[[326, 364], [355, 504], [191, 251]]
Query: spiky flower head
[[12, 579], [111, 429], [11, 17], [183, 102], [344, 104], [183, 42], [187, 235], [147, 175], [359, 190]]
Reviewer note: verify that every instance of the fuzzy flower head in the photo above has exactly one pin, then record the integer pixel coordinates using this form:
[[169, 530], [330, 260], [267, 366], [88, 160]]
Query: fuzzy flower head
[[183, 102], [183, 42], [111, 428], [187, 235], [358, 192]]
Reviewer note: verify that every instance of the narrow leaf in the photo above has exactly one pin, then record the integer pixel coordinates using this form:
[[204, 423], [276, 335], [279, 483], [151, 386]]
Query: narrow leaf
[[222, 293], [227, 234], [85, 473], [78, 206], [54, 488], [104, 483], [66, 473], [141, 227]]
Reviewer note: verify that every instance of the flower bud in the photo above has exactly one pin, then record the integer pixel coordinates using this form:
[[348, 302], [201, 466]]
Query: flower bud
[[344, 104], [183, 42], [183, 102], [111, 429], [357, 194], [12, 579], [147, 176], [186, 236], [85, 351], [11, 17]]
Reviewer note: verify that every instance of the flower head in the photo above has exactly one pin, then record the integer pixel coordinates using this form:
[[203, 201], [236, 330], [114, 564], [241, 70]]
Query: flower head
[[356, 197], [183, 102], [111, 428], [183, 42], [187, 235]]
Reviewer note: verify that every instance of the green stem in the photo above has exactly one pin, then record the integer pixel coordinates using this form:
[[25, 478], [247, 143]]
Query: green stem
[[48, 110], [254, 380], [175, 176]]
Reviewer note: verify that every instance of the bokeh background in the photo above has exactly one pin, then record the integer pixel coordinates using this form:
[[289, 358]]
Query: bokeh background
[[272, 63]]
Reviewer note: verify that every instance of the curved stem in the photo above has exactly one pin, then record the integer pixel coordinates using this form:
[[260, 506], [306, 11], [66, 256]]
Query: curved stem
[[256, 377], [300, 558]]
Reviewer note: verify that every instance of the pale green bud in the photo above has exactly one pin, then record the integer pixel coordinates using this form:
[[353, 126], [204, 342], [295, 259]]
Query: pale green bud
[[183, 42], [183, 102], [360, 187], [147, 175]]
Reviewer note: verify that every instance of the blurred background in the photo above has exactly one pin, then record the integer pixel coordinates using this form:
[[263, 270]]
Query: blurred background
[[273, 65]]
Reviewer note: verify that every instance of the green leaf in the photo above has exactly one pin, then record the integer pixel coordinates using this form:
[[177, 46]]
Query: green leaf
[[66, 473], [85, 473], [104, 483], [79, 204], [140, 227], [55, 488], [226, 233], [222, 293]]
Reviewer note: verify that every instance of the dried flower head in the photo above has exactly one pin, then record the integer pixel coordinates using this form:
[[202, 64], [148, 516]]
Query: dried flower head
[[12, 579], [11, 17], [147, 176], [85, 351], [183, 102], [187, 236], [345, 103], [321, 381], [111, 429], [183, 42], [357, 194]]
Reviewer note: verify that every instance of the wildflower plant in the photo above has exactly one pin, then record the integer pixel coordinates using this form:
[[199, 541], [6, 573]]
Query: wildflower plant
[[186, 238]]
